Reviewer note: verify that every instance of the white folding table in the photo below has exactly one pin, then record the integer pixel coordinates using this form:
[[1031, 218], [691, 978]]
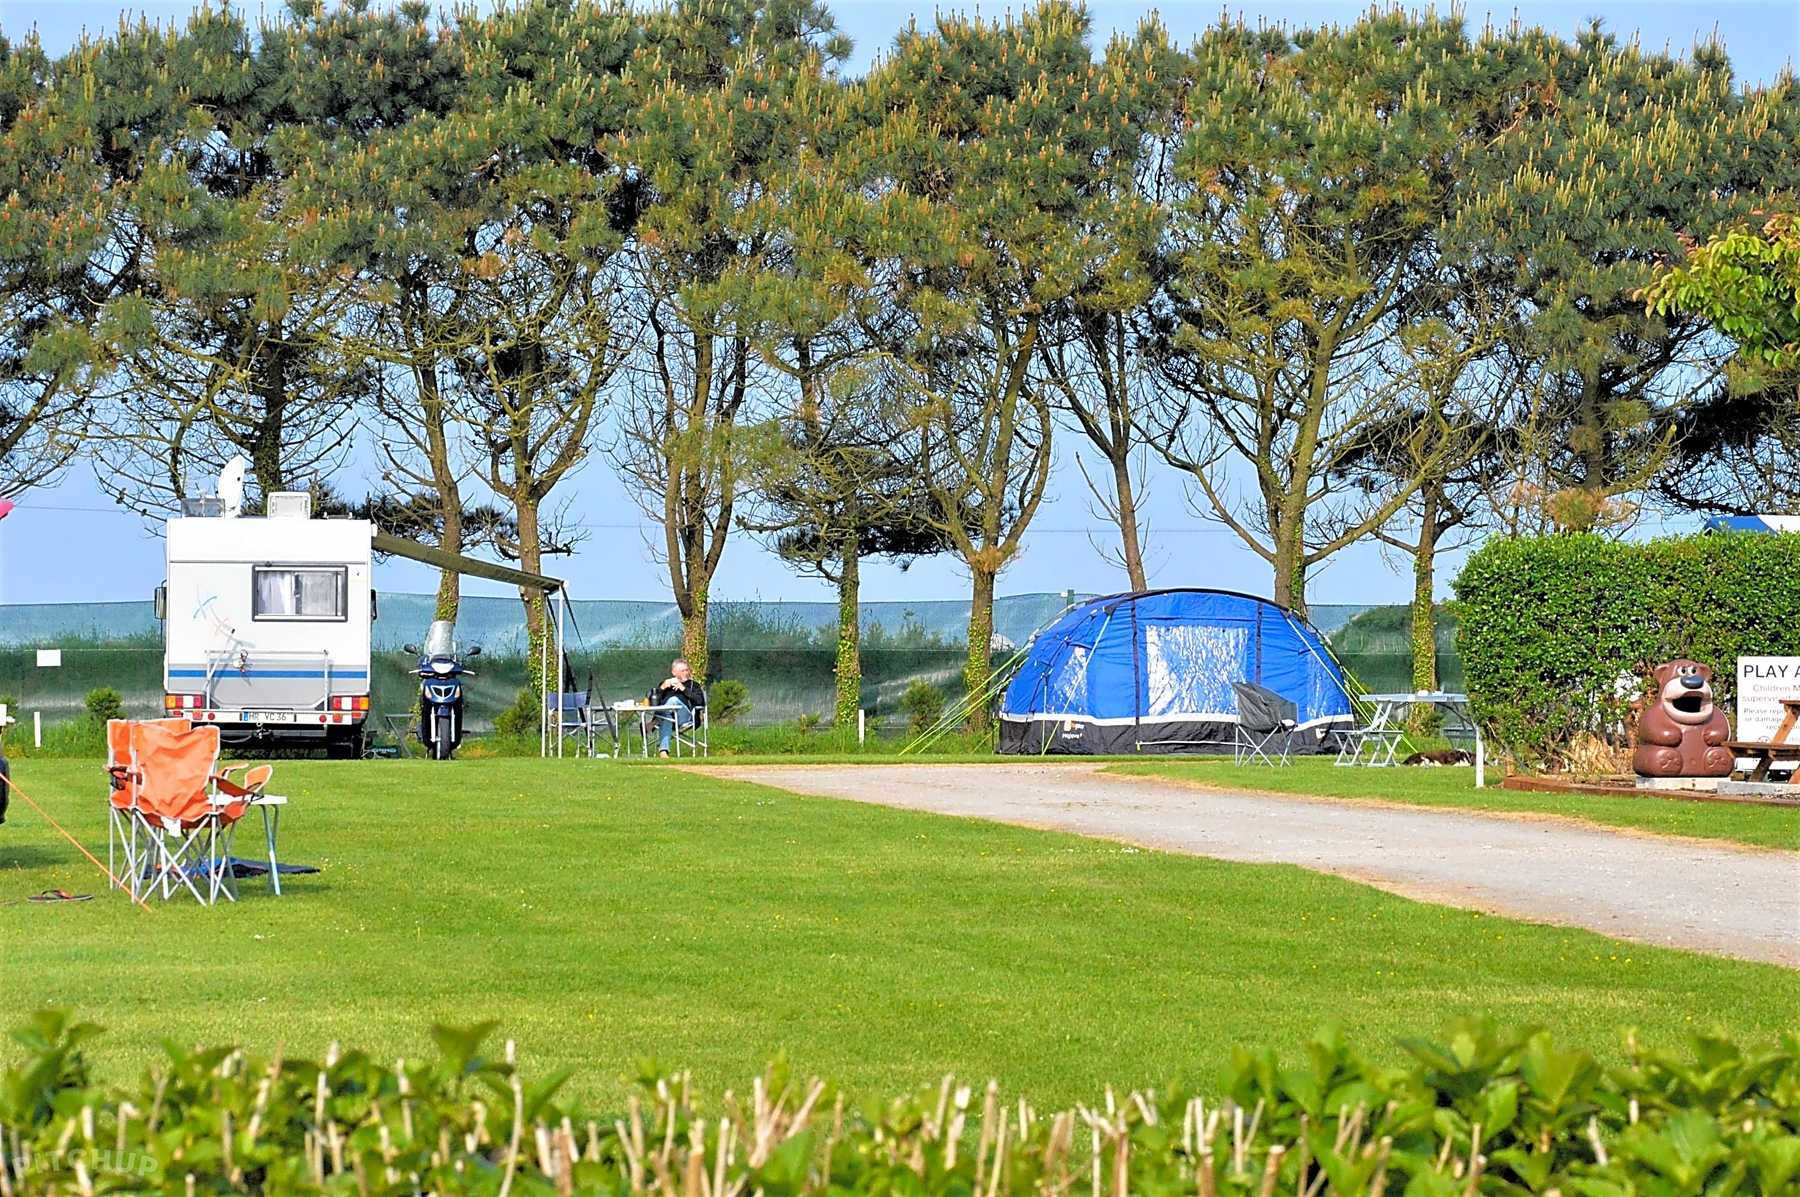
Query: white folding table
[[1380, 739]]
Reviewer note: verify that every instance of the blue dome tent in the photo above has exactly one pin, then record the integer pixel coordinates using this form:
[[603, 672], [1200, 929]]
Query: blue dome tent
[[1152, 672]]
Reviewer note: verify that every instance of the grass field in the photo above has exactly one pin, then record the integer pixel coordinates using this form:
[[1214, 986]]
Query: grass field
[[1744, 823], [607, 914]]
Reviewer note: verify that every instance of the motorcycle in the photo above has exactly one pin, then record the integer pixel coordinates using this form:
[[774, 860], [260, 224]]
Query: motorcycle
[[440, 675]]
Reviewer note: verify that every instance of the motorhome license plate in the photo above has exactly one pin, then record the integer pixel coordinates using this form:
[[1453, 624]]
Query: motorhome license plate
[[268, 716]]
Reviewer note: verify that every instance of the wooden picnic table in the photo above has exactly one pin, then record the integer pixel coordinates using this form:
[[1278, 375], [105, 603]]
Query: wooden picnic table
[[1782, 748]]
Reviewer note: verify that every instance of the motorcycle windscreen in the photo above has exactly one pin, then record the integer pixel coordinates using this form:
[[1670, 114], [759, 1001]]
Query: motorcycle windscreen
[[440, 641]]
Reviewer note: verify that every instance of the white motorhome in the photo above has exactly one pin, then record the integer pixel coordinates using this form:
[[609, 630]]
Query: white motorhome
[[266, 623]]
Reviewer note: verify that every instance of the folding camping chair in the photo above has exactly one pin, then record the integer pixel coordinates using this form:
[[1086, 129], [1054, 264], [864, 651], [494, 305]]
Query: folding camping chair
[[174, 769], [695, 735], [190, 813], [1374, 743], [1266, 721], [574, 715], [122, 823], [251, 791]]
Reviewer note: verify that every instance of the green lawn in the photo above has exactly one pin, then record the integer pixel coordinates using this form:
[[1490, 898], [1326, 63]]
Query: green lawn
[[606, 914], [1744, 823]]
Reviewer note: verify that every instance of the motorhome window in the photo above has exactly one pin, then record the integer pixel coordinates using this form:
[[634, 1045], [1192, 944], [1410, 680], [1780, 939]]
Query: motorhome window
[[282, 593]]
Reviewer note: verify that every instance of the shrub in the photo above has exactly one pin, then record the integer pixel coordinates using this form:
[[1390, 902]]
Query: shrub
[[1481, 1111], [521, 719], [103, 703], [807, 723], [727, 701], [923, 705], [1558, 634]]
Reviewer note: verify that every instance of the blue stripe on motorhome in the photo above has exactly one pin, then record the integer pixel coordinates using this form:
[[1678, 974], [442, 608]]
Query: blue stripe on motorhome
[[222, 674]]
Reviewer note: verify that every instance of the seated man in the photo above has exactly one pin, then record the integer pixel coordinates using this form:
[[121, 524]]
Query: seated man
[[680, 695]]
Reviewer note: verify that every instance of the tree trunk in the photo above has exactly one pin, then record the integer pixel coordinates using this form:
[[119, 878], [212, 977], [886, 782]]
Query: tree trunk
[[693, 634], [266, 437], [1290, 571], [537, 624], [1131, 552], [1424, 619], [981, 652], [449, 591], [443, 474], [849, 638]]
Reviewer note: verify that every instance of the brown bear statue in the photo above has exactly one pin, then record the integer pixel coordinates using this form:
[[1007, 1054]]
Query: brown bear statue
[[1681, 733]]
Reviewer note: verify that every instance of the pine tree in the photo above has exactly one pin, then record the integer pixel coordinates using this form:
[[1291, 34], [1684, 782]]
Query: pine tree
[[1624, 154], [994, 127], [721, 99]]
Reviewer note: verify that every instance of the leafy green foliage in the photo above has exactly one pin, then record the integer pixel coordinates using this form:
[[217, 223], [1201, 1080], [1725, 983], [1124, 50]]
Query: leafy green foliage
[[521, 718], [1748, 284], [103, 703], [1481, 1111], [1558, 634], [922, 704], [727, 701]]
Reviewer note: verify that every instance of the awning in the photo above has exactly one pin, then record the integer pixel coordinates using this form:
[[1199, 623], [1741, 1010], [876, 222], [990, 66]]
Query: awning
[[396, 546]]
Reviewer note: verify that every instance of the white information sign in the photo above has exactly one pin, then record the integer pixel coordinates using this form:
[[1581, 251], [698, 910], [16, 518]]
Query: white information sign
[[1762, 682], [49, 658]]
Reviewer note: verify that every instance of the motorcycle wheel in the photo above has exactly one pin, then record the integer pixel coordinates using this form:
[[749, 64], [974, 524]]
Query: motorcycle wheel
[[441, 744]]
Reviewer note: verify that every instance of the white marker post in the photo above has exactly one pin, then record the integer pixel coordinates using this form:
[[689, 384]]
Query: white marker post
[[37, 729], [862, 724]]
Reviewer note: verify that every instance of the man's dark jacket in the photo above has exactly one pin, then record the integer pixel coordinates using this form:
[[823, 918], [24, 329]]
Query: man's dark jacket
[[689, 692]]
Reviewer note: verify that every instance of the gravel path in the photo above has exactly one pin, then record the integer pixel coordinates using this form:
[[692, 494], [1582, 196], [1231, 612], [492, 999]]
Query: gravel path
[[1676, 892]]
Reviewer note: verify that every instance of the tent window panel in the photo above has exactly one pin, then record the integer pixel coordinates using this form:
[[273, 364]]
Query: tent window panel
[[300, 594], [1190, 667], [1325, 692], [1067, 689]]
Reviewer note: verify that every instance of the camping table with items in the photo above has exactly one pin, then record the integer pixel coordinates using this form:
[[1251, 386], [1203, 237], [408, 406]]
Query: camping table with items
[[1376, 743], [1781, 752], [645, 715], [626, 714]]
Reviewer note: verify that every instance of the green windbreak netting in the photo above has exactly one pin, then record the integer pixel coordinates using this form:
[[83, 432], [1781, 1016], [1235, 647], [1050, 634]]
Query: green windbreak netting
[[782, 652]]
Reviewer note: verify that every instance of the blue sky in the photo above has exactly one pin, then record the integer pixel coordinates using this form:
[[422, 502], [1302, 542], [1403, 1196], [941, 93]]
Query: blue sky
[[67, 543]]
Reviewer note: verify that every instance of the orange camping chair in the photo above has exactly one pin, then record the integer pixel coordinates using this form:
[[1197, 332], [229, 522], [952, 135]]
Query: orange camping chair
[[176, 809], [123, 823]]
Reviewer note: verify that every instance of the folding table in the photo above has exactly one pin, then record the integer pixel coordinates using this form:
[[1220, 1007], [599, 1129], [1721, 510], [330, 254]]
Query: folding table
[[1380, 737]]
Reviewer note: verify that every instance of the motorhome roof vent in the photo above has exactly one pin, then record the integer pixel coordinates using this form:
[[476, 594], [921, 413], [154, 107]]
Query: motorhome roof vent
[[290, 505]]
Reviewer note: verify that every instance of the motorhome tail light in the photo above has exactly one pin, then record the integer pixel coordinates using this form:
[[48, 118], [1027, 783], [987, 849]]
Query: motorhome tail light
[[350, 702]]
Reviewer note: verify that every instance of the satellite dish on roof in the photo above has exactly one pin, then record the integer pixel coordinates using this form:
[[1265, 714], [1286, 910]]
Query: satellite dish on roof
[[231, 487]]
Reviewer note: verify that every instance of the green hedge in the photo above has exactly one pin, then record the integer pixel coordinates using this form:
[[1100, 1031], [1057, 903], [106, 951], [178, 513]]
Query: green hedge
[[1557, 634], [1481, 1112]]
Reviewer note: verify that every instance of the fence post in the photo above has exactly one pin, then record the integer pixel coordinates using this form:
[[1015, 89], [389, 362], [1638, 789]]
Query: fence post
[[37, 729], [862, 724]]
